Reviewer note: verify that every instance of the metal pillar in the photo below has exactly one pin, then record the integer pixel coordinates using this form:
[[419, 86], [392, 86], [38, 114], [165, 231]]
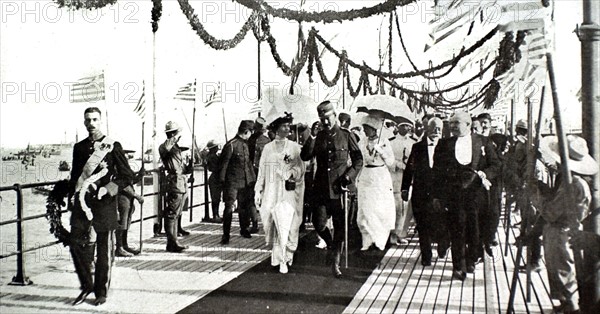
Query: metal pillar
[[589, 35]]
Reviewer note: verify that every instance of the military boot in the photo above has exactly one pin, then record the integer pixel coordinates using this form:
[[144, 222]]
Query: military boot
[[337, 258], [180, 230], [126, 246], [120, 250], [172, 243]]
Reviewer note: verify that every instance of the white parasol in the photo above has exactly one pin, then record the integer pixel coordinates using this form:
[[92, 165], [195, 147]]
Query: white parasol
[[275, 102]]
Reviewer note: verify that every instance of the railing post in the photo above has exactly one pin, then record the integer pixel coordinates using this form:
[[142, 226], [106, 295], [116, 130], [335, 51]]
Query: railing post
[[206, 210], [20, 279]]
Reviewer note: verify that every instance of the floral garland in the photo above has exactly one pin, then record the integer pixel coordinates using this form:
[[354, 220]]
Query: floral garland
[[306, 54], [84, 4], [156, 14], [328, 16], [214, 43], [54, 204]]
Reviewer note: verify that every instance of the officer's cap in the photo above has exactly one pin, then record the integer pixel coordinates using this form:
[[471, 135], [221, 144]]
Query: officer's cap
[[325, 109], [246, 125]]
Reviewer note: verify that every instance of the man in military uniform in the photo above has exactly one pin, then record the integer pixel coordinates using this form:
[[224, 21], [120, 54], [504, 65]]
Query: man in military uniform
[[238, 178], [256, 143], [332, 147], [212, 164], [100, 170], [176, 185]]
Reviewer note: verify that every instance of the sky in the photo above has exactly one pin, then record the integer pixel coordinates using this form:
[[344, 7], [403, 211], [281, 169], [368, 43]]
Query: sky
[[43, 48]]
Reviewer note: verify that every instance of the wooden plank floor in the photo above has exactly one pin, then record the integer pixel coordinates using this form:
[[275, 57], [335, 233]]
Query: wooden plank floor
[[402, 285], [154, 282], [161, 282]]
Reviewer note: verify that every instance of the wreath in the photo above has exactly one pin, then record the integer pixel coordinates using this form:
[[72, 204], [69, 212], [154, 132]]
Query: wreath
[[54, 204]]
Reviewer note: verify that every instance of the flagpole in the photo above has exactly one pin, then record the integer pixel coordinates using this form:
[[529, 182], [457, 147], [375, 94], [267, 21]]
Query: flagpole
[[142, 188], [155, 175], [105, 103], [192, 153], [224, 125]]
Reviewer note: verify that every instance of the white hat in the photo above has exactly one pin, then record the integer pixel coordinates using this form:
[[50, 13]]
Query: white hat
[[372, 121], [580, 160]]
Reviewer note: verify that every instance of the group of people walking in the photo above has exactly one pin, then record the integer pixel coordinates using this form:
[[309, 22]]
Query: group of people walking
[[452, 185]]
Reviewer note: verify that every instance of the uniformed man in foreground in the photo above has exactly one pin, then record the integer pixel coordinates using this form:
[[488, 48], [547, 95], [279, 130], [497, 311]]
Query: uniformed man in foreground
[[100, 171], [176, 185], [238, 179], [332, 147]]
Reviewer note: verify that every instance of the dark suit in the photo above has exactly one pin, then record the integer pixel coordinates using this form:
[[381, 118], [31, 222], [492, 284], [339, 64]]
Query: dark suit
[[431, 225], [85, 239], [463, 194], [332, 150], [238, 177]]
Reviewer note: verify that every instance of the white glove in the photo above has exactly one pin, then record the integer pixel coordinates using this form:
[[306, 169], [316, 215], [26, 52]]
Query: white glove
[[258, 199], [103, 191], [486, 183], [378, 149]]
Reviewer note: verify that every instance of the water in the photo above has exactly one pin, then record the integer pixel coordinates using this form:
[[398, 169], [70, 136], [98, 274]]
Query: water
[[36, 232]]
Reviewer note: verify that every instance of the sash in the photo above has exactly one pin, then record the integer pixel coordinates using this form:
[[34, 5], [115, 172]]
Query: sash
[[100, 150]]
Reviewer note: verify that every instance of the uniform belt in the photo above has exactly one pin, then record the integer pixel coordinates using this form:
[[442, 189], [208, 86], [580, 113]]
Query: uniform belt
[[373, 166]]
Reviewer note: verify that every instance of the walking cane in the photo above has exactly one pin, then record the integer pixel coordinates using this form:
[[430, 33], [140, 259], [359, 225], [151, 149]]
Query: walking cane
[[345, 205]]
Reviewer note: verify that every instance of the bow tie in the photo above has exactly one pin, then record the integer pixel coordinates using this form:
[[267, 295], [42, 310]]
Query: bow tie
[[431, 144]]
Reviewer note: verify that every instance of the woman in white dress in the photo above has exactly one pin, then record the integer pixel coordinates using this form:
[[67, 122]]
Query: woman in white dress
[[279, 193], [376, 206]]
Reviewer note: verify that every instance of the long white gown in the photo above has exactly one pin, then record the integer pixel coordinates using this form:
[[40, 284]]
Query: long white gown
[[376, 207], [281, 209]]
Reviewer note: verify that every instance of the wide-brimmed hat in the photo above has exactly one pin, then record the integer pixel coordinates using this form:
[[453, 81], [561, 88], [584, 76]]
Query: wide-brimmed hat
[[372, 121], [580, 160], [522, 124], [172, 126], [211, 144], [287, 118]]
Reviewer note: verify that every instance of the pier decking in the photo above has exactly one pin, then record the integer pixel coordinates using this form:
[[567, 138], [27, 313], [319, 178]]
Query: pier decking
[[161, 282]]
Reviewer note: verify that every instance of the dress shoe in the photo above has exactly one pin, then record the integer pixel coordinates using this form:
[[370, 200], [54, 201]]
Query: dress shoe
[[217, 220], [470, 269], [283, 268], [254, 230], [335, 270], [225, 239], [120, 252], [460, 275], [100, 301], [81, 297], [246, 234], [176, 248], [183, 233], [131, 250], [425, 262]]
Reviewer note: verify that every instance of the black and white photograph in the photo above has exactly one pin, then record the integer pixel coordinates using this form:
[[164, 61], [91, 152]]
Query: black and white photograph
[[300, 156]]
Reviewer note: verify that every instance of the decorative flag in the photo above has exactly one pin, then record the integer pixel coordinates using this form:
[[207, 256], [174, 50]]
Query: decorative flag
[[140, 108], [256, 107], [187, 92], [88, 89], [214, 97]]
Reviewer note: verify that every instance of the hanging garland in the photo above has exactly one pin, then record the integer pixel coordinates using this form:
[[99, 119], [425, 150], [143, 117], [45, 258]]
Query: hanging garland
[[444, 64], [327, 16], [84, 4], [156, 14], [214, 43], [304, 55], [54, 204]]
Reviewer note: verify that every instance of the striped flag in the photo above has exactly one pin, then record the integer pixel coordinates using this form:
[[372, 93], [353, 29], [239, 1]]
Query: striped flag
[[88, 89], [214, 97], [140, 108], [187, 92], [256, 107]]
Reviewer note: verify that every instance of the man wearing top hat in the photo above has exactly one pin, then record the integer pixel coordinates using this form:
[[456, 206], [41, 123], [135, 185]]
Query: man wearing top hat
[[464, 164], [100, 171], [332, 147], [176, 185], [238, 179]]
